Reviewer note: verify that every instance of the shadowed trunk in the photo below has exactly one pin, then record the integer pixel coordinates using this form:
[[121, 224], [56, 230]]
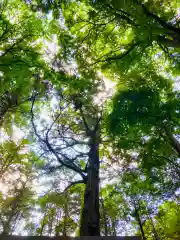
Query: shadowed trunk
[[90, 218]]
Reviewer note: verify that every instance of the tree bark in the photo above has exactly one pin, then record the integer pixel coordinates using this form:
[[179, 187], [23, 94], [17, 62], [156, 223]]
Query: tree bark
[[90, 218], [114, 227], [139, 222], [104, 218]]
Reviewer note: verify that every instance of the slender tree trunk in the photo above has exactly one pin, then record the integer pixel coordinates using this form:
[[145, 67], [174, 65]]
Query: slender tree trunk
[[42, 229], [50, 224], [15, 222], [104, 218], [90, 218], [42, 225], [139, 222], [114, 227], [6, 228], [13, 213], [156, 237], [7, 225], [65, 215]]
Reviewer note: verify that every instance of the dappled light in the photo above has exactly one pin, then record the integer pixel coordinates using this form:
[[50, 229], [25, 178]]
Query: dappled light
[[89, 119]]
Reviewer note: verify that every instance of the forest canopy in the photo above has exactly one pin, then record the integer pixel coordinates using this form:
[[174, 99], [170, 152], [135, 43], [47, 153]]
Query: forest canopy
[[89, 118]]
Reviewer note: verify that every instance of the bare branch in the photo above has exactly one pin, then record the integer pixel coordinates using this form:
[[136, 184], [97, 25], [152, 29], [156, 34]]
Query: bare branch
[[70, 166], [69, 163]]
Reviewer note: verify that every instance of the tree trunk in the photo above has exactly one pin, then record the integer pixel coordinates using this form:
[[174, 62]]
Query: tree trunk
[[114, 227], [14, 212], [104, 218], [65, 215], [139, 222], [173, 141], [156, 237], [43, 224], [6, 228], [90, 218], [7, 224]]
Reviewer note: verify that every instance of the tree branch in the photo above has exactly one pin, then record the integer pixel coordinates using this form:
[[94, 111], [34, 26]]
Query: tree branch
[[74, 183], [118, 57], [169, 43], [158, 19], [169, 160], [71, 166], [122, 14]]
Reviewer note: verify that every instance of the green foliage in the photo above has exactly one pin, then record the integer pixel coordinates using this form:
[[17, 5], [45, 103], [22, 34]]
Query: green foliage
[[56, 58], [52, 198], [167, 221]]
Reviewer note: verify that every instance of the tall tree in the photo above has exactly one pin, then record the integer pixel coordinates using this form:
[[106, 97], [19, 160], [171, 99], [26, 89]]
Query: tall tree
[[73, 139]]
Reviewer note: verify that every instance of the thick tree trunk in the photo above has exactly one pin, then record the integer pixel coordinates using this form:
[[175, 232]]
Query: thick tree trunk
[[90, 218]]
